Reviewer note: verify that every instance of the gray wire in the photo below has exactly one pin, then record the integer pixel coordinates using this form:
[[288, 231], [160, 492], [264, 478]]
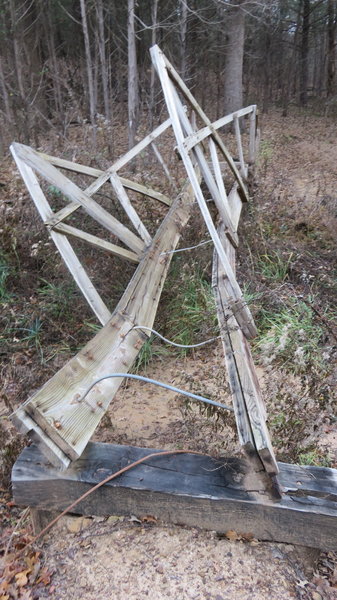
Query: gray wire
[[189, 248], [160, 384], [174, 343]]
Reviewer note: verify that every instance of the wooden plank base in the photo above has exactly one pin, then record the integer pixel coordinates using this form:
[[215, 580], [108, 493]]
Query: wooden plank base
[[193, 490]]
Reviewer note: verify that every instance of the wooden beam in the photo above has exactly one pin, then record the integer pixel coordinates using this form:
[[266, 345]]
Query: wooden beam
[[218, 494], [61, 242], [252, 137], [55, 407], [129, 209], [239, 145], [96, 241], [127, 183], [178, 123], [247, 399], [158, 55], [72, 191]]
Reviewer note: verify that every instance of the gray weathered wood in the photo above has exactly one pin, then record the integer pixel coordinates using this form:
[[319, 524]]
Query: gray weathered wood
[[92, 172], [247, 400], [157, 55], [72, 191], [62, 243], [55, 407], [194, 490]]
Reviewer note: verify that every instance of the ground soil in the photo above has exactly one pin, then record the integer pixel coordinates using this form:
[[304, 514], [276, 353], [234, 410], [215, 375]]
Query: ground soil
[[138, 559]]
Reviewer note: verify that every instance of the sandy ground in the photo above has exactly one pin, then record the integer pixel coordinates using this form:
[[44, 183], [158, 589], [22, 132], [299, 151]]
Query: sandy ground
[[125, 559]]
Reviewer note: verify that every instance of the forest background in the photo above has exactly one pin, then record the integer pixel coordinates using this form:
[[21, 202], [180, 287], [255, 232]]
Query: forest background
[[66, 62]]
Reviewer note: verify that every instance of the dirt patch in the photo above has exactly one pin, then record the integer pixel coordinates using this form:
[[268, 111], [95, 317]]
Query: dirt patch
[[130, 560]]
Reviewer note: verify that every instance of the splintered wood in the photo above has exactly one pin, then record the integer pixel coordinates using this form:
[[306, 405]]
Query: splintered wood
[[57, 414]]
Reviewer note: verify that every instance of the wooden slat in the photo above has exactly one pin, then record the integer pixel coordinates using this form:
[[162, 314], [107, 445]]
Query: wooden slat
[[176, 118], [123, 160], [72, 191], [235, 204], [216, 194], [247, 399], [55, 406], [63, 245], [219, 180], [25, 425], [186, 489], [239, 145], [252, 137], [227, 321], [129, 209], [163, 165], [205, 132], [96, 241], [127, 183], [156, 54]]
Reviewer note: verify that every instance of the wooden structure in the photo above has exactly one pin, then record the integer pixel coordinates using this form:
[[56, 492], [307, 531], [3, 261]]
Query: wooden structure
[[62, 416], [194, 490]]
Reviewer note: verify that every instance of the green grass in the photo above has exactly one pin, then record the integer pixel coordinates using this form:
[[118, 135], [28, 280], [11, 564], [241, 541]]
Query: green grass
[[32, 336], [151, 349], [5, 271], [274, 267], [59, 298], [291, 338], [192, 312], [313, 457]]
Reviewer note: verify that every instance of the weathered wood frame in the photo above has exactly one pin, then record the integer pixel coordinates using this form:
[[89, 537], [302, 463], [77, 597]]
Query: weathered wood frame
[[194, 490], [51, 411], [191, 151]]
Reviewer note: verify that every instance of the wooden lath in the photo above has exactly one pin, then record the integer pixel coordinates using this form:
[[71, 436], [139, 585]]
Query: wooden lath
[[54, 412], [31, 162], [183, 129], [235, 320]]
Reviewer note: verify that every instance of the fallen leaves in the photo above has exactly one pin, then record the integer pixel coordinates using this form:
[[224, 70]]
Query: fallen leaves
[[21, 579], [233, 536]]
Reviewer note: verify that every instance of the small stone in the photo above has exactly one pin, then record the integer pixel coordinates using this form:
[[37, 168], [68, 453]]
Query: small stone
[[316, 596], [77, 524], [114, 519]]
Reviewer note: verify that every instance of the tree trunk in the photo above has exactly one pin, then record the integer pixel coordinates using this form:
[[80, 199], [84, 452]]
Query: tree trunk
[[304, 66], [332, 26], [102, 55], [183, 38], [235, 24], [133, 83], [92, 104], [154, 18]]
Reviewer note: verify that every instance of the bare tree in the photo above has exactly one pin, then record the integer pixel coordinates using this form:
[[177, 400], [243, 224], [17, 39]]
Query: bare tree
[[133, 83], [92, 101], [332, 29], [235, 37], [104, 75]]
